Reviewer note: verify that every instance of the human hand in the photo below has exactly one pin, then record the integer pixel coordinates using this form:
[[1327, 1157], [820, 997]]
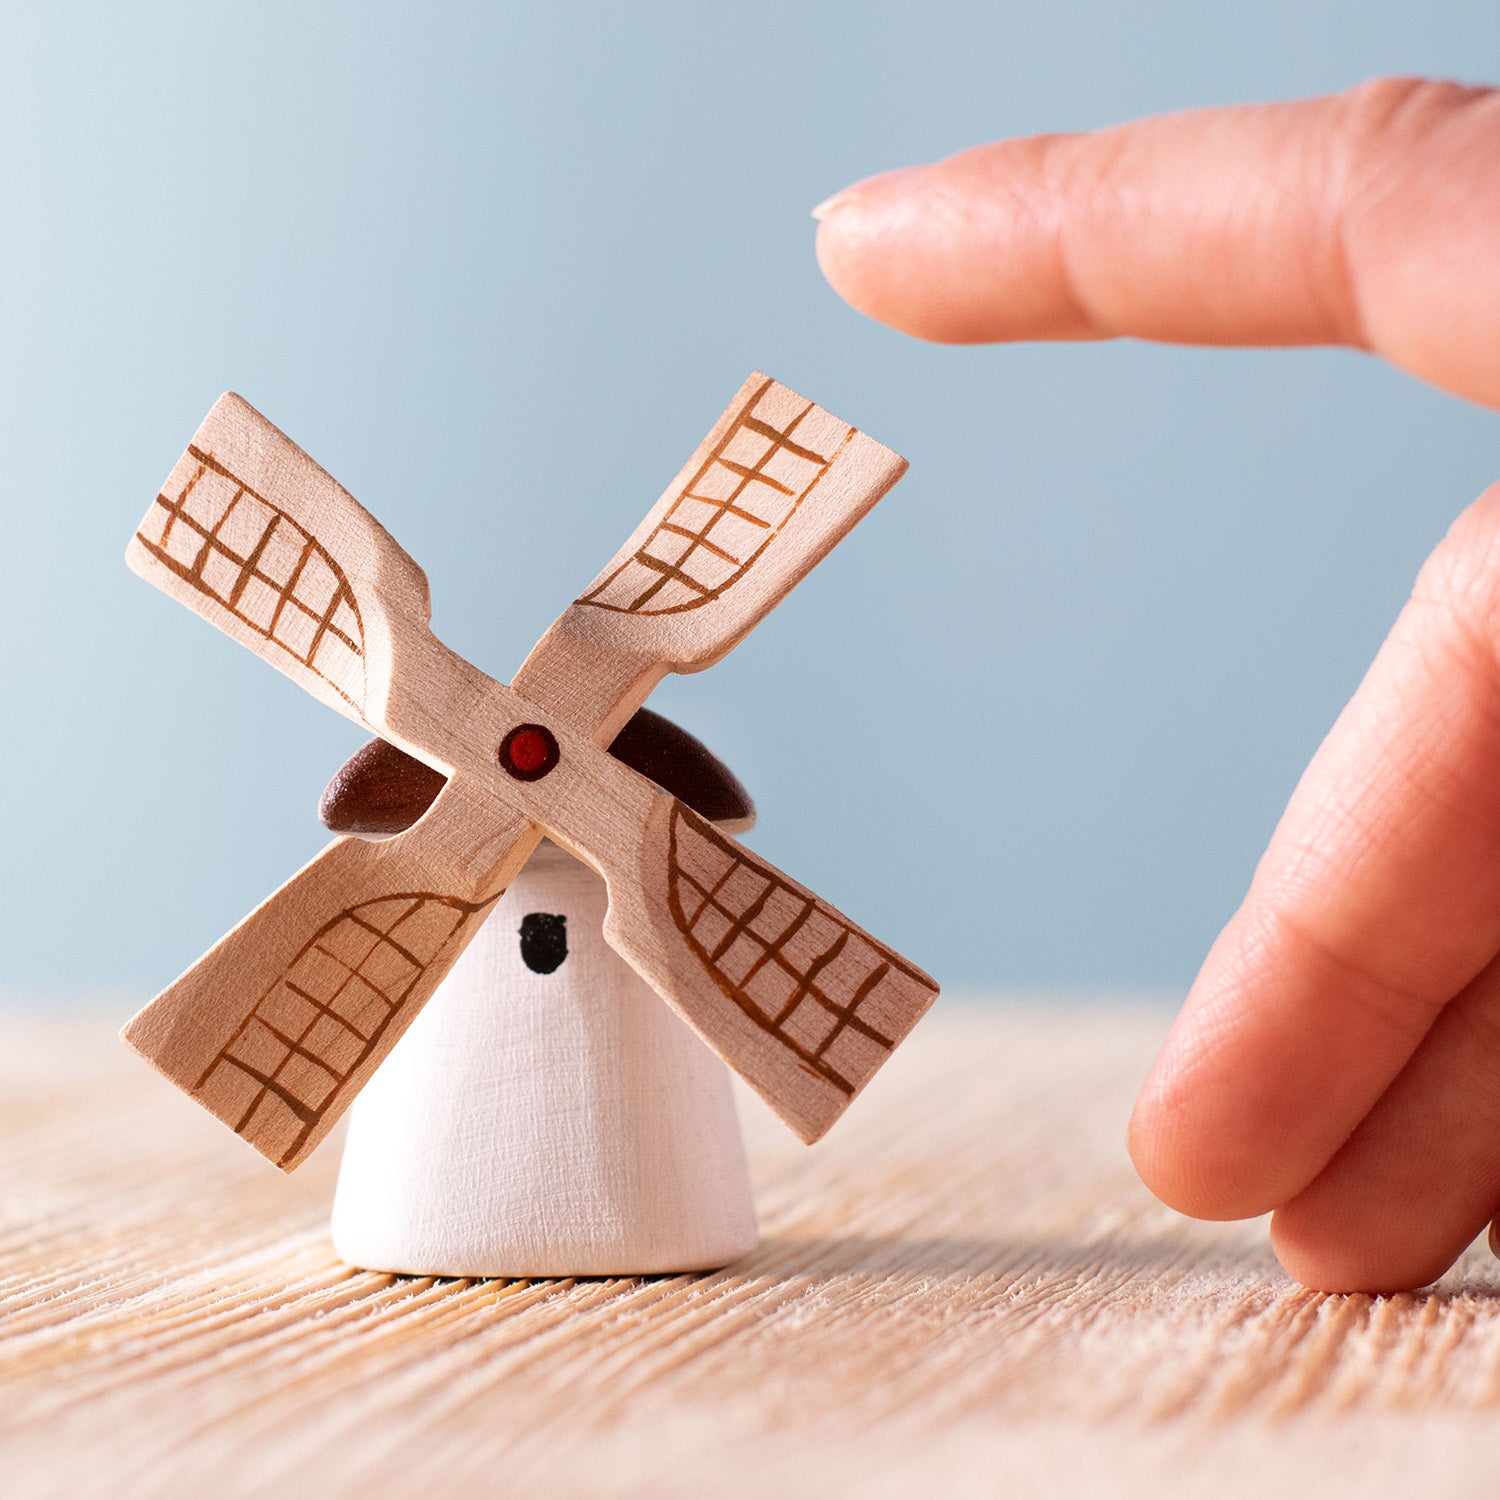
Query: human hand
[[1338, 1058]]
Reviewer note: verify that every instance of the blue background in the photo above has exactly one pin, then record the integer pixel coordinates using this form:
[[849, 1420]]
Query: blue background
[[499, 267]]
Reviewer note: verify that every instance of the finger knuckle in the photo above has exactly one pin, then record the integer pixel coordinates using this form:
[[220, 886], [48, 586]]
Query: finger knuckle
[[1393, 111], [1387, 131]]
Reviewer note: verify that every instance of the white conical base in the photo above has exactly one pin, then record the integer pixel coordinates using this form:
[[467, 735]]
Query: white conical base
[[563, 1124]]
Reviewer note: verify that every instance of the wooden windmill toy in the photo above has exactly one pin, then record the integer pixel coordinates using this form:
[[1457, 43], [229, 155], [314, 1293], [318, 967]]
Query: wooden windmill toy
[[278, 1027]]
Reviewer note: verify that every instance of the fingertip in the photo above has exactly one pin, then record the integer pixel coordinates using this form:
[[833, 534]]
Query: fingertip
[[870, 246], [1321, 1252], [1145, 1141], [1161, 1145], [842, 246], [1185, 1172], [1198, 1145]]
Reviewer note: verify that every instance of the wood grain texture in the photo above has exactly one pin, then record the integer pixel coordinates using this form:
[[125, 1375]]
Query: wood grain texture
[[771, 490], [266, 545], [962, 1292], [279, 1025], [254, 536]]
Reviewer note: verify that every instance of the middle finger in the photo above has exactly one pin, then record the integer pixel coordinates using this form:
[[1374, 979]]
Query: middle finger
[[1420, 1176]]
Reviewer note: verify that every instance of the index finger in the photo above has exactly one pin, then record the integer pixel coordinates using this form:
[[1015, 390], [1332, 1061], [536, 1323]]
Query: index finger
[[1367, 218]]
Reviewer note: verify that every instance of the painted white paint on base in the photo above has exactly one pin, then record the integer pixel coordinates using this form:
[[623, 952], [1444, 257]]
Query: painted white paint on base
[[563, 1124]]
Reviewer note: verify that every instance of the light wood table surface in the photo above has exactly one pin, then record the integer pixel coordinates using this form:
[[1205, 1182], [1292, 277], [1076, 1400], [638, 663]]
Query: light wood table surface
[[963, 1291]]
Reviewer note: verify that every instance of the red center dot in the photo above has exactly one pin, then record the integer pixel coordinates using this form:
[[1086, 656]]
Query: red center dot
[[528, 750]]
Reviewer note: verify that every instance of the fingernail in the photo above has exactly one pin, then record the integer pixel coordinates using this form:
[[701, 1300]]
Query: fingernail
[[827, 206]]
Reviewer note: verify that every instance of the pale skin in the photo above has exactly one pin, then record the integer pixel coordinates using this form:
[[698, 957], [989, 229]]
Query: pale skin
[[1338, 1058]]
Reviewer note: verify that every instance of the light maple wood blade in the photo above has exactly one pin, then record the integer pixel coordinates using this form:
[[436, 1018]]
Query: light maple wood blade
[[768, 494], [258, 539], [278, 1026], [800, 1001]]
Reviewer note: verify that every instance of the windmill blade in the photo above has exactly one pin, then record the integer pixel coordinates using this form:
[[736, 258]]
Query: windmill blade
[[278, 1027], [769, 493], [796, 998], [262, 542]]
